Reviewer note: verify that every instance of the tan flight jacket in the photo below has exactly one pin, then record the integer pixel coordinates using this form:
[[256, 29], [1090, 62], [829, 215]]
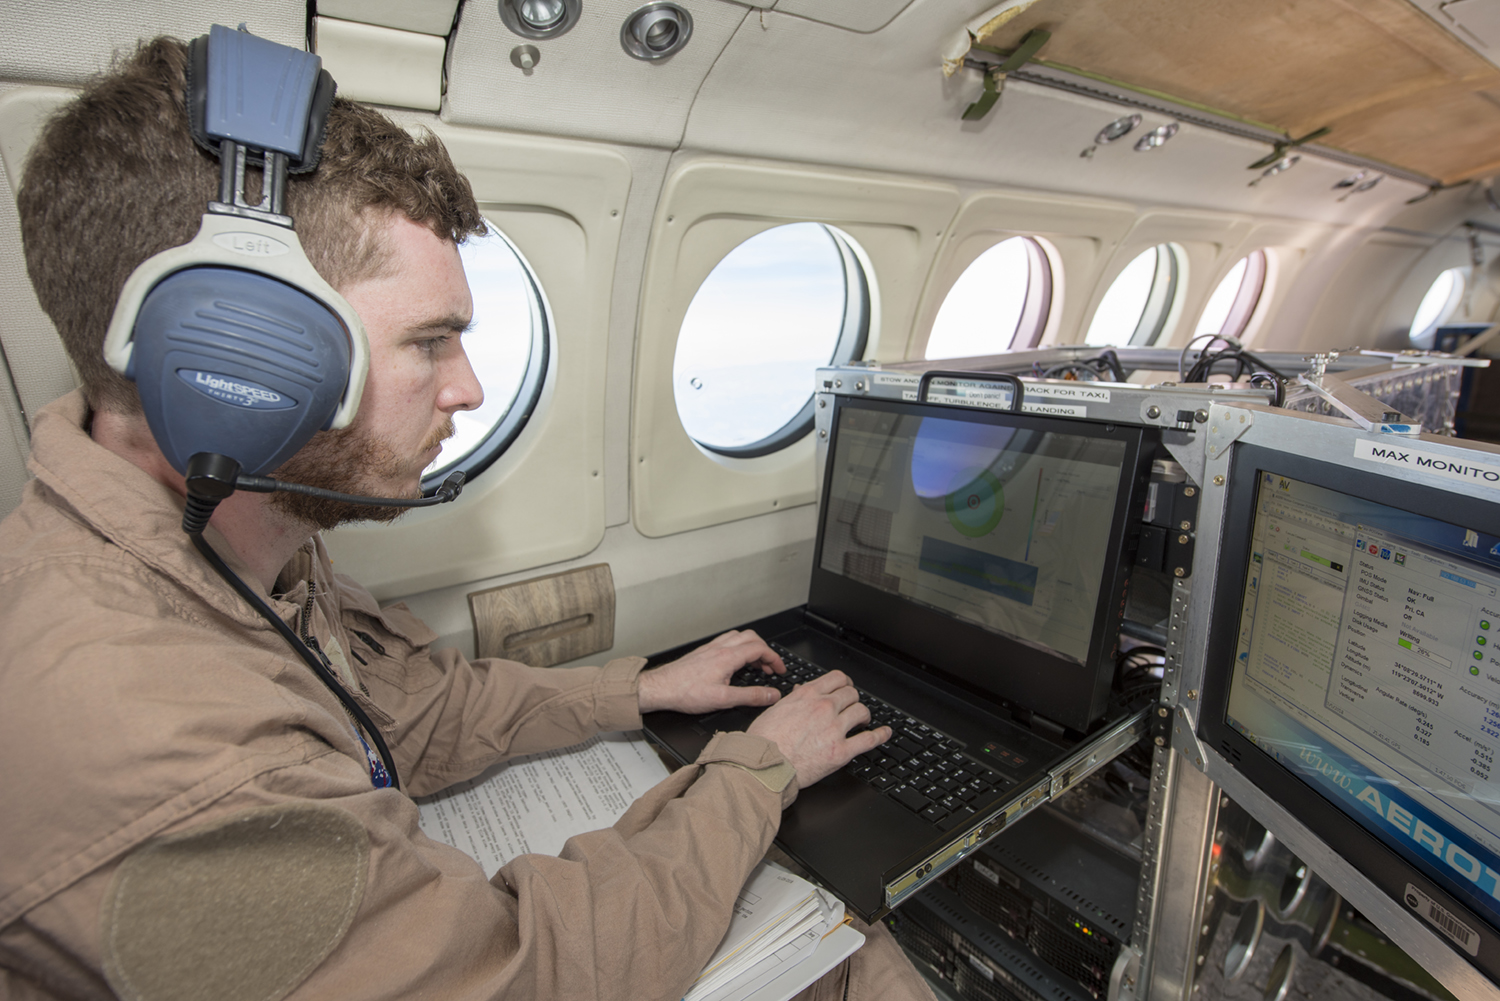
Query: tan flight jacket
[[140, 697]]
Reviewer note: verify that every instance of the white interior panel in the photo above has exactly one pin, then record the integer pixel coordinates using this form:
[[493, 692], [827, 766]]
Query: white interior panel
[[1083, 232], [430, 17], [708, 207], [543, 500], [382, 65], [1288, 246], [855, 15], [669, 591], [585, 85], [1400, 307], [1350, 308], [649, 173], [1207, 241], [52, 41], [32, 349]]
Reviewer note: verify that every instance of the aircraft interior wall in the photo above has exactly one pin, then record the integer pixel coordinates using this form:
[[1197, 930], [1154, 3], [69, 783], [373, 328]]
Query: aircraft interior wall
[[623, 184]]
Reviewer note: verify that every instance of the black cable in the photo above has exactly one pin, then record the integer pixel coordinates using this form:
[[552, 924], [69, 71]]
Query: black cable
[[210, 478], [312, 660], [1112, 360], [1278, 386]]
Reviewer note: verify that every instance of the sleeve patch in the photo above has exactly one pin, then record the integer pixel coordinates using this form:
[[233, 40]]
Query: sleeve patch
[[242, 909]]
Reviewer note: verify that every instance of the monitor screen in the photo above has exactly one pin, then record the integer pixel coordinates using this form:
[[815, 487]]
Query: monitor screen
[[1361, 647], [1009, 524]]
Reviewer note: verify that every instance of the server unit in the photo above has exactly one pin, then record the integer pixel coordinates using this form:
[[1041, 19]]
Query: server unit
[[973, 960], [1066, 896]]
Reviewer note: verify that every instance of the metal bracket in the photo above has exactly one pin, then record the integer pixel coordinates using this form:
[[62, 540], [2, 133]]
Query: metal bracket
[[1177, 623], [1098, 753], [1185, 735], [1125, 975], [1360, 407], [1225, 426], [994, 75]]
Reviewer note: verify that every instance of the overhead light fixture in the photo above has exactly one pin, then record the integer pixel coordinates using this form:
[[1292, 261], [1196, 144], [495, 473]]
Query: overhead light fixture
[[1359, 189], [656, 31], [1116, 129], [540, 18], [1156, 137], [1285, 163]]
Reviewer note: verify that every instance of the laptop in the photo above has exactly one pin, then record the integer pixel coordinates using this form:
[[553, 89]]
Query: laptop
[[969, 575]]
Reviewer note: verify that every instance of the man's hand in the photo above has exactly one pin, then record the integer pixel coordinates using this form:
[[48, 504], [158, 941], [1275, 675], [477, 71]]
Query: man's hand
[[811, 726], [699, 682]]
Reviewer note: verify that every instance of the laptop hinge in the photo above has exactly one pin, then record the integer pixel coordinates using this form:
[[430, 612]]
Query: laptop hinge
[[822, 622], [1045, 726]]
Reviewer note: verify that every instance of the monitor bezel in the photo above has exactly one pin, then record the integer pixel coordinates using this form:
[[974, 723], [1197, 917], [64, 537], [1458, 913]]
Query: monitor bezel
[[1072, 694], [1382, 866]]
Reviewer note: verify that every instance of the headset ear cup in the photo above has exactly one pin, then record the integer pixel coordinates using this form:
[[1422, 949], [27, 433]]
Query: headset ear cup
[[237, 363]]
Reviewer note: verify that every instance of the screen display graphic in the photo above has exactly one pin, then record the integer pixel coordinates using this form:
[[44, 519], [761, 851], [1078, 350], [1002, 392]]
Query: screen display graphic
[[1366, 664], [1002, 527]]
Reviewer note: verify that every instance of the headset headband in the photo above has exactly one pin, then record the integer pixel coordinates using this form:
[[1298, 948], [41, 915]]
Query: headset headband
[[235, 342]]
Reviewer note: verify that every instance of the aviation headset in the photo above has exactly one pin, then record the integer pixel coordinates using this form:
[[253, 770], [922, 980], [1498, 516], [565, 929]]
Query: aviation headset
[[239, 349]]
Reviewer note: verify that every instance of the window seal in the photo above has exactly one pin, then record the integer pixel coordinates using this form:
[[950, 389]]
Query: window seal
[[528, 394], [1160, 299]]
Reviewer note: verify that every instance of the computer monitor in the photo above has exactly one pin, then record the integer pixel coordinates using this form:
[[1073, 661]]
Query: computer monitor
[[1353, 675], [998, 544]]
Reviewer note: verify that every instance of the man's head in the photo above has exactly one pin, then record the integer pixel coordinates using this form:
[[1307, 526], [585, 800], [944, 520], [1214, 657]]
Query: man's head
[[115, 178]]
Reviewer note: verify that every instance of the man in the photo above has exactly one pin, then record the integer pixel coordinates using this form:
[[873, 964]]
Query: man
[[189, 812]]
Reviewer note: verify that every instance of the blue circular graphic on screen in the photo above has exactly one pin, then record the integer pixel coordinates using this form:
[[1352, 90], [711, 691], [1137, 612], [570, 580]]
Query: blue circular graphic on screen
[[945, 450]]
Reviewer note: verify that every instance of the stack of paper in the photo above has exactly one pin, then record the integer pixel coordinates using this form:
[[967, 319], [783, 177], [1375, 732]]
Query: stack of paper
[[785, 932], [779, 922]]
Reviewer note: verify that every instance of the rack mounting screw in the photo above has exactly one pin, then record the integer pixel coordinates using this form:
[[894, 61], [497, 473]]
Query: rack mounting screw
[[1153, 412], [1219, 480]]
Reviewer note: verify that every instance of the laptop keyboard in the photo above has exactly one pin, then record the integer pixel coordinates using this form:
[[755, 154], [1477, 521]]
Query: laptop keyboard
[[920, 767]]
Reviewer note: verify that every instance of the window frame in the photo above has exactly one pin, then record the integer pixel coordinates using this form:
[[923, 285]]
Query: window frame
[[1036, 308], [1462, 275], [854, 335], [1242, 309], [528, 393], [1165, 284]]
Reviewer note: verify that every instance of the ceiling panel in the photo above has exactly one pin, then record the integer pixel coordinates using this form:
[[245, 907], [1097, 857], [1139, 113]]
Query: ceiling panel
[[855, 15], [584, 85], [1385, 77], [794, 89]]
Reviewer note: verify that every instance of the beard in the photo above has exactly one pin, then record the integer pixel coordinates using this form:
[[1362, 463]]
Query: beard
[[350, 461]]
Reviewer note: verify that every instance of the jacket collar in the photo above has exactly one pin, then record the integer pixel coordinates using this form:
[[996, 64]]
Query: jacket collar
[[125, 505]]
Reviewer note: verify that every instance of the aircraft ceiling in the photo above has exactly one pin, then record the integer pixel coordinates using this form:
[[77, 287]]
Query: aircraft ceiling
[[1387, 79], [859, 83]]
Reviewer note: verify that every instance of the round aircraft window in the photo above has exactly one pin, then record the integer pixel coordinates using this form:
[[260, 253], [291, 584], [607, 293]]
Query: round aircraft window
[[1135, 309], [507, 345], [1440, 302], [1000, 303], [1230, 307], [770, 313]]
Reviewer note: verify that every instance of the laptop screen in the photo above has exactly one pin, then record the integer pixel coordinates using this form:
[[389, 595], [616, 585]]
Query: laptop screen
[[1009, 523]]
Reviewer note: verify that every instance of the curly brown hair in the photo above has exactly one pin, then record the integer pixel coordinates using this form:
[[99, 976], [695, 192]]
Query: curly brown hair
[[115, 178]]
